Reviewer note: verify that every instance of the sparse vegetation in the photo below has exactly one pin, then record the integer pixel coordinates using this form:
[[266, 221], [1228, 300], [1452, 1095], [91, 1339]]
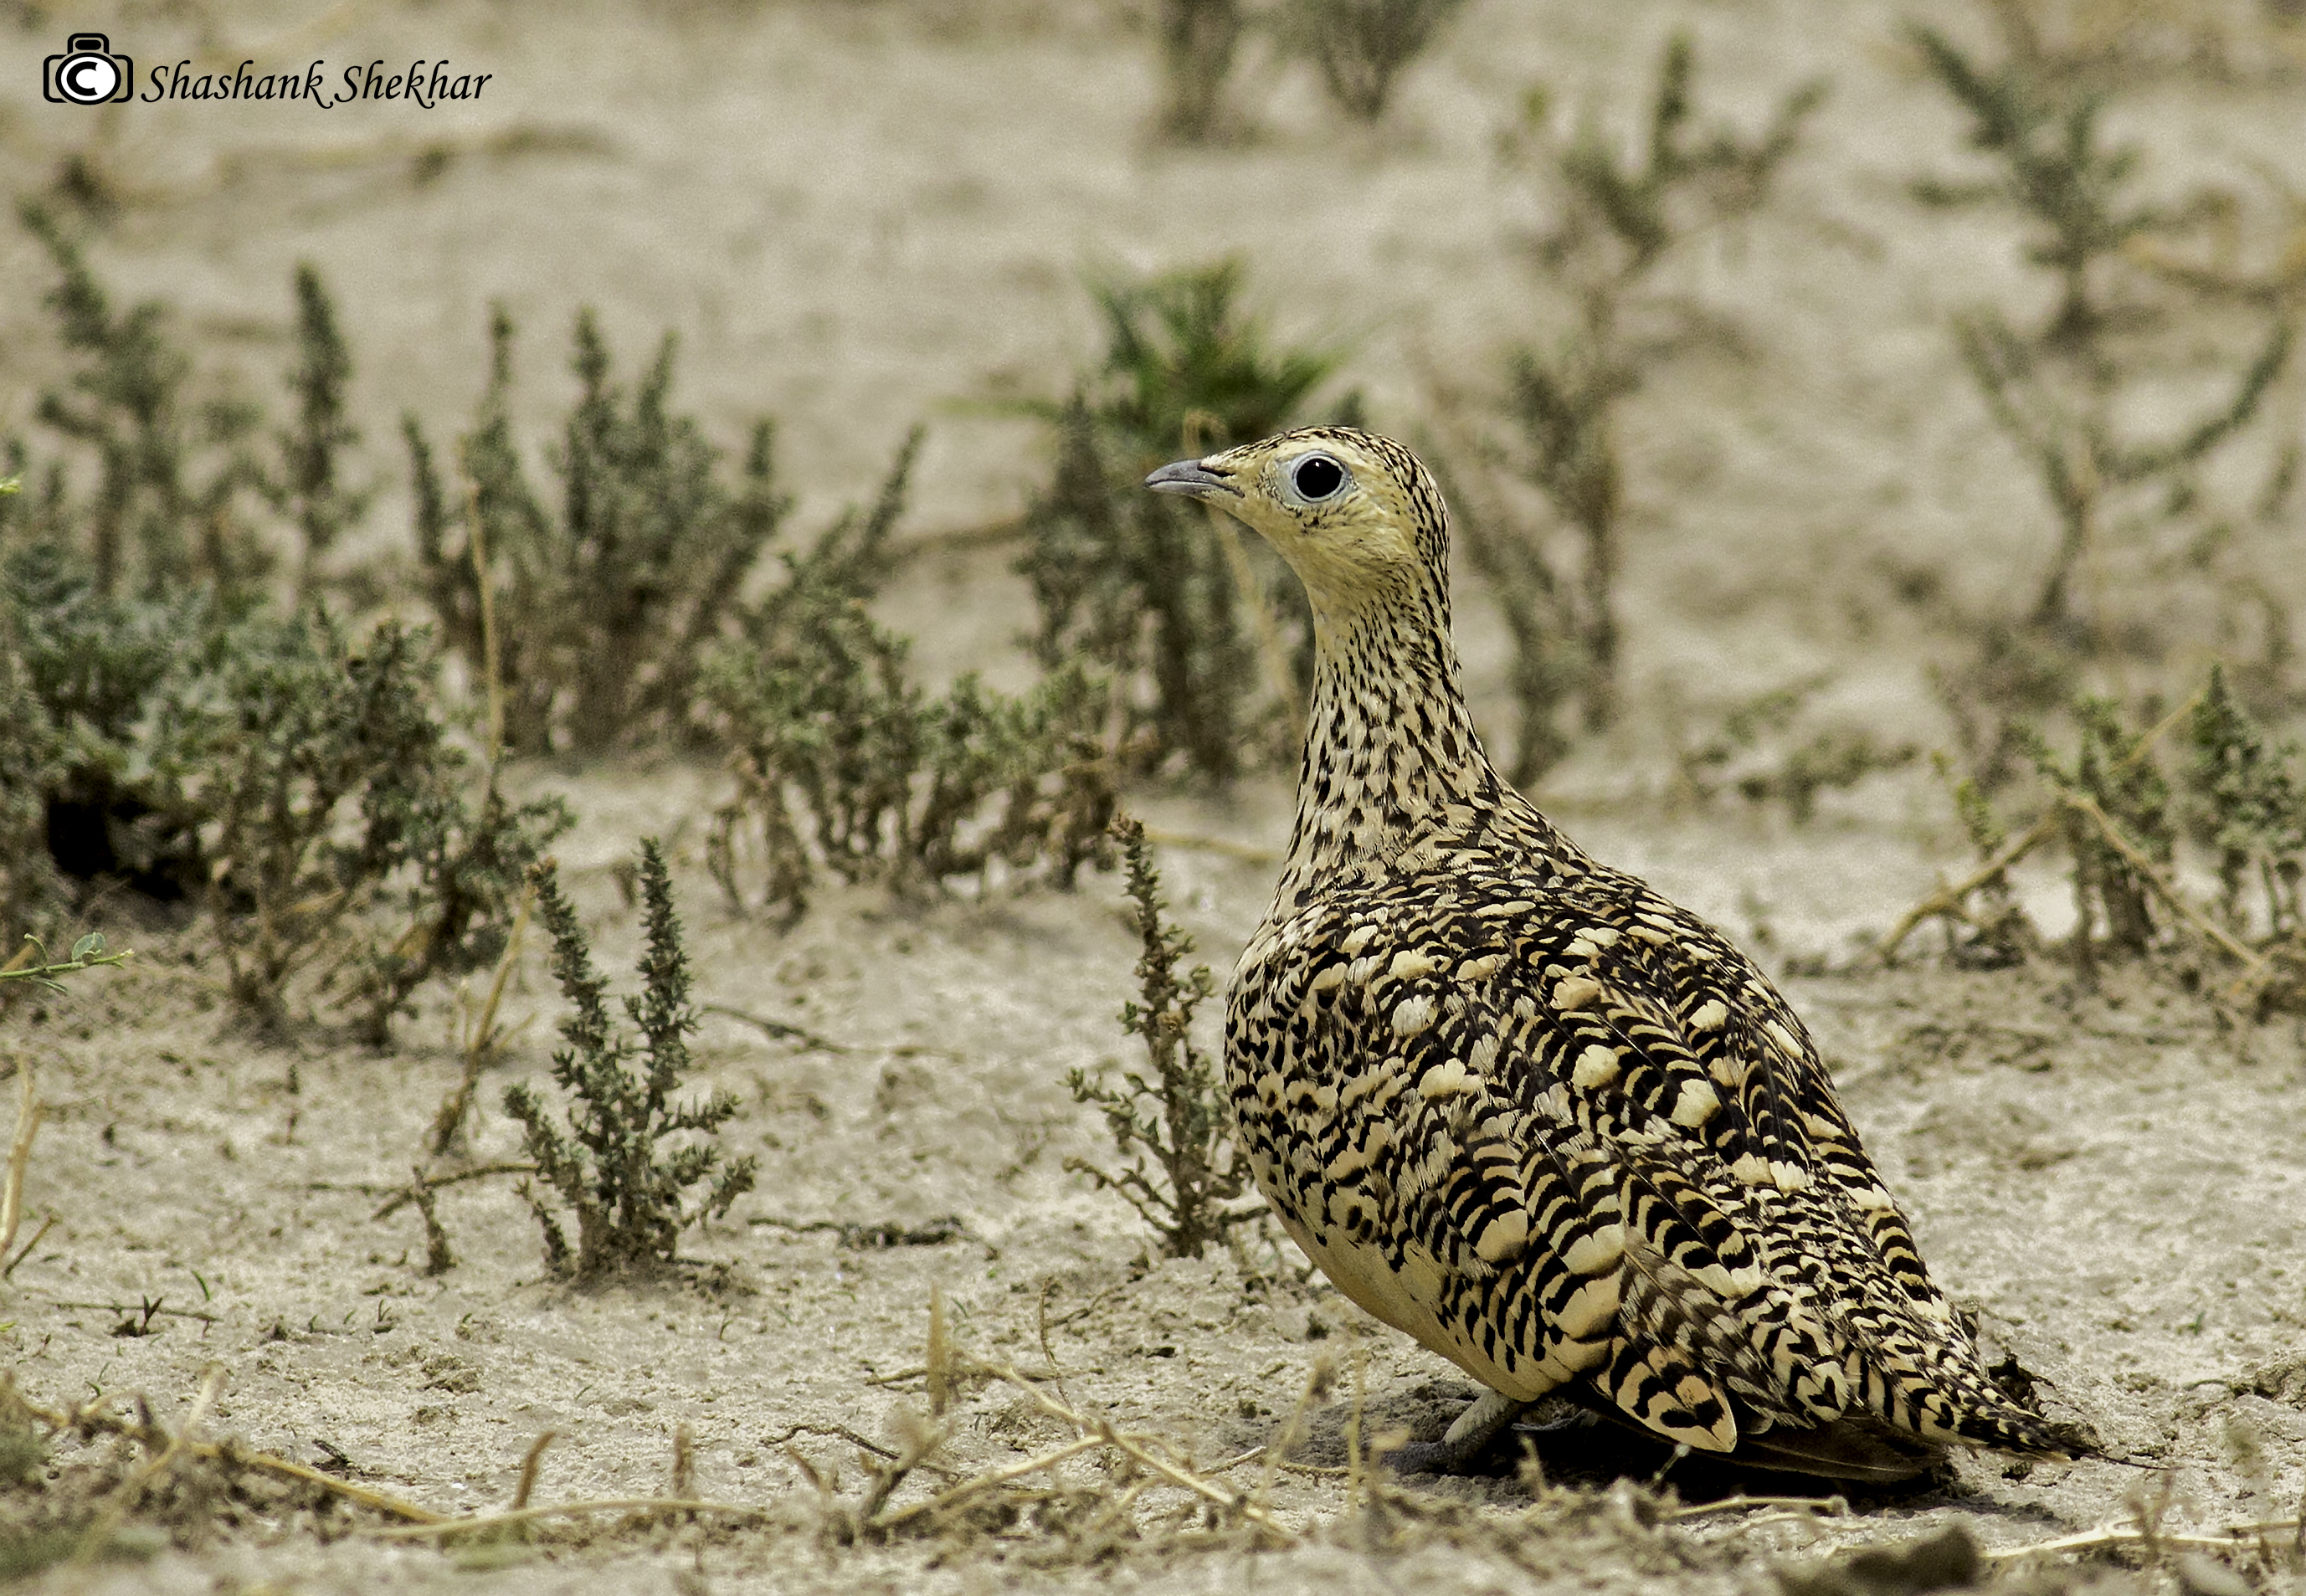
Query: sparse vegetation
[[2136, 396], [1181, 1164], [179, 473], [1761, 753], [309, 487], [2120, 813], [172, 468], [1363, 45], [1147, 589], [1617, 222], [615, 1165], [30, 756], [844, 764], [295, 784], [2058, 386], [1199, 40], [170, 730], [78, 673], [605, 609], [2249, 812], [292, 733]]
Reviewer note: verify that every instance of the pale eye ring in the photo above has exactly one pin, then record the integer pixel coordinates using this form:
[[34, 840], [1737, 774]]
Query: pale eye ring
[[1317, 477]]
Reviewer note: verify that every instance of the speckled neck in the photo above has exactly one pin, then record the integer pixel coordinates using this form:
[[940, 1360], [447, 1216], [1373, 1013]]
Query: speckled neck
[[1391, 751]]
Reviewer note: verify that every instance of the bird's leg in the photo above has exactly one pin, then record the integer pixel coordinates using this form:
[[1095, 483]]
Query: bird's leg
[[1466, 1439]]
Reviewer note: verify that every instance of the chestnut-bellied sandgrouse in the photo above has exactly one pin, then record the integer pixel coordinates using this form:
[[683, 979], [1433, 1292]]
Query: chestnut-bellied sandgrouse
[[1518, 1105]]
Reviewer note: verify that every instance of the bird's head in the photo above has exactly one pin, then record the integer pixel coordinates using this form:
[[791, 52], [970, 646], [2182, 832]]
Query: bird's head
[[1356, 515]]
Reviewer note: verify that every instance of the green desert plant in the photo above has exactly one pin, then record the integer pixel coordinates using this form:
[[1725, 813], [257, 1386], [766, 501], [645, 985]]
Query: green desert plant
[[1619, 221], [310, 488], [31, 886], [297, 783], [77, 674], [1143, 587], [1760, 754], [1199, 40], [629, 1153], [843, 763], [2116, 821], [606, 608], [2121, 813], [1362, 45], [336, 814], [2056, 387], [171, 471], [177, 479], [1182, 1162], [2248, 810]]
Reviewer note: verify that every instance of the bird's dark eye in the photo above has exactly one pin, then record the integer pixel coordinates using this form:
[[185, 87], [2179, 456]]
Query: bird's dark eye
[[1317, 477]]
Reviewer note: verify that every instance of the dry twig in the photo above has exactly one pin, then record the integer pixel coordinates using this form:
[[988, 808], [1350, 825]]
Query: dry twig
[[1833, 1507], [406, 1194], [2136, 1535], [104, 1525], [529, 1463], [2144, 868], [1137, 1448], [485, 1042], [1948, 899], [781, 1030], [90, 1419]]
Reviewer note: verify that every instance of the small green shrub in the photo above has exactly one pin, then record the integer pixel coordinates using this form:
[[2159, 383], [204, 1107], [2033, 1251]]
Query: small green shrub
[[2116, 828], [166, 729], [612, 1165], [843, 763], [171, 471], [1142, 585], [334, 812], [1619, 221], [2122, 812], [296, 784], [1199, 40], [1183, 1163], [309, 486], [1760, 754], [181, 480], [31, 886], [1362, 45], [2057, 387], [2249, 812], [77, 674], [605, 609]]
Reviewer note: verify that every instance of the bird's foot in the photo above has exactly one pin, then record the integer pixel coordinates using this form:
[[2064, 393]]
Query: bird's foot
[[1469, 1439]]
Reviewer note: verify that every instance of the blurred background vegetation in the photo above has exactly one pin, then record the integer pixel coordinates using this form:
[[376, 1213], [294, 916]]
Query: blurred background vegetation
[[1812, 396]]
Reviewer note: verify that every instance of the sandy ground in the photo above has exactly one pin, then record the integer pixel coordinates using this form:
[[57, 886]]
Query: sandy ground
[[861, 215]]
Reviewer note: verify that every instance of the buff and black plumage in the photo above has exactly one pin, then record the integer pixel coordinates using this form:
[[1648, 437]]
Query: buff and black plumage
[[1518, 1106]]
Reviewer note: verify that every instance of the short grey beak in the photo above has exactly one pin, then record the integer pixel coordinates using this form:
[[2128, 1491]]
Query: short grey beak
[[1194, 479]]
